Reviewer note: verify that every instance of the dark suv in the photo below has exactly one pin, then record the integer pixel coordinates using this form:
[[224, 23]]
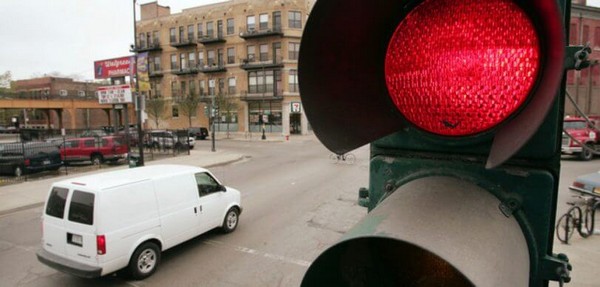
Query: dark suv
[[198, 133], [21, 158]]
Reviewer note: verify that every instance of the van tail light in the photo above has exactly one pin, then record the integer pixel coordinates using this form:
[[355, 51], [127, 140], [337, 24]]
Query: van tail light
[[27, 162], [578, 184], [101, 244]]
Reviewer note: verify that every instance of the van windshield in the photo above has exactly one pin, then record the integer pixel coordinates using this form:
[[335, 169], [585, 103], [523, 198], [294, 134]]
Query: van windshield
[[81, 209], [56, 202]]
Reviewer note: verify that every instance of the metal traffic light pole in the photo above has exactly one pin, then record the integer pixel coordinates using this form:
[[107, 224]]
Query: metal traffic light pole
[[139, 96]]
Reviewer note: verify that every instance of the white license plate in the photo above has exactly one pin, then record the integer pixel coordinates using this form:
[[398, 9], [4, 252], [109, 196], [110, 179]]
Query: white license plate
[[46, 162], [77, 239]]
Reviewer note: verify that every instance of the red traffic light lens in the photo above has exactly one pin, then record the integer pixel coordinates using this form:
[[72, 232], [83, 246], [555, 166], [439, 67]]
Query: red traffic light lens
[[461, 67]]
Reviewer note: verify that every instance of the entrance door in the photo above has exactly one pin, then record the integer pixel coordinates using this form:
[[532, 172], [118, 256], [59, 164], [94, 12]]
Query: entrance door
[[295, 124]]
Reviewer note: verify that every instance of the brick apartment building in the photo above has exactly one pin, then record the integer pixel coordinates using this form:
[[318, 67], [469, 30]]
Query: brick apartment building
[[55, 88], [243, 52], [584, 86]]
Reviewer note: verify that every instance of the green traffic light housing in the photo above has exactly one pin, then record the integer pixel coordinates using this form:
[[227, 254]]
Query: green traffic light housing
[[461, 103]]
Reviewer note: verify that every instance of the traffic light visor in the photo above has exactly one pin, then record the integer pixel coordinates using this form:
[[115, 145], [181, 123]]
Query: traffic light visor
[[458, 68]]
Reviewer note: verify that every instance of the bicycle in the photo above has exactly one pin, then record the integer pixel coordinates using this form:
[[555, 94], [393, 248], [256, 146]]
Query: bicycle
[[576, 218], [347, 158]]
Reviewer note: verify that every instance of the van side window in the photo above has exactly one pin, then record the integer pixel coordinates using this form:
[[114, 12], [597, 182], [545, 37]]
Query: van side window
[[81, 209], [206, 184], [56, 202]]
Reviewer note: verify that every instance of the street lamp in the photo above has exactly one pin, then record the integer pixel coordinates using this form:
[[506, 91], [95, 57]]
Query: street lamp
[[139, 96]]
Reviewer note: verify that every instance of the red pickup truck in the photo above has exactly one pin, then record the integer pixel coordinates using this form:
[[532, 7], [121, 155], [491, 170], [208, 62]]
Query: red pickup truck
[[94, 149], [584, 133]]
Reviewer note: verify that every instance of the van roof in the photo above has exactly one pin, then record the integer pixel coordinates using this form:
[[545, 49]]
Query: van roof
[[111, 179]]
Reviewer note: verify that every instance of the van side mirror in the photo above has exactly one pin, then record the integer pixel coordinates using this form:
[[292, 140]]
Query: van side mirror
[[221, 188]]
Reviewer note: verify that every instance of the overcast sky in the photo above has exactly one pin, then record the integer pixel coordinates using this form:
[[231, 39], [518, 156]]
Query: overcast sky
[[66, 36]]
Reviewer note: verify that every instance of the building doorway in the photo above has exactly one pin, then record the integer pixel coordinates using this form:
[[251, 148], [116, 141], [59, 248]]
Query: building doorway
[[295, 123]]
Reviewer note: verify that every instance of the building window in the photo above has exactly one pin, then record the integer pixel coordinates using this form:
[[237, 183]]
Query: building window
[[221, 86], [202, 87], [211, 58], [211, 87], [264, 52], [231, 86], [192, 59], [230, 55], [263, 21], [172, 35], [183, 88], [230, 26], [190, 29], [155, 38], [142, 40], [293, 50], [573, 34], [210, 29], [175, 111], [63, 93], [251, 53], [201, 58], [293, 81], [81, 93], [200, 30], [260, 82], [174, 92], [250, 23], [192, 86], [181, 34], [277, 20], [156, 64], [174, 62], [183, 61], [295, 19]]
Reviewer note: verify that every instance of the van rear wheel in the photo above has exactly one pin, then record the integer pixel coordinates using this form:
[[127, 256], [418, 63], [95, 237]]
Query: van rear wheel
[[231, 220], [144, 261]]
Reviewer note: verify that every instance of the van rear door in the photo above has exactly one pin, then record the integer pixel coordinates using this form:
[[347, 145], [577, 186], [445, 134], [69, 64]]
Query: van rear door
[[53, 226], [80, 234]]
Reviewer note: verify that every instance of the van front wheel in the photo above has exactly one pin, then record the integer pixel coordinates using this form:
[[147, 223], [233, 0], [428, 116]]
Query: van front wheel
[[144, 261], [231, 220]]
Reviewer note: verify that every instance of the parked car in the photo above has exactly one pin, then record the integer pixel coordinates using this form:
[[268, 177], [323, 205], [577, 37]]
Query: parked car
[[168, 139], [584, 133], [587, 184], [94, 149], [122, 220], [23, 158], [198, 133]]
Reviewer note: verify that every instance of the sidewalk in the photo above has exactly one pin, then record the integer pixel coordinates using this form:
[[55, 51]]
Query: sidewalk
[[33, 193]]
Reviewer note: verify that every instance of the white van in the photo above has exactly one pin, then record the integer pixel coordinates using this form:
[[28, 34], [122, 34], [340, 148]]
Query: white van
[[98, 224]]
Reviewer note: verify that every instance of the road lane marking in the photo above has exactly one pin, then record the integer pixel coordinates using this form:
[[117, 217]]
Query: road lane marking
[[255, 252]]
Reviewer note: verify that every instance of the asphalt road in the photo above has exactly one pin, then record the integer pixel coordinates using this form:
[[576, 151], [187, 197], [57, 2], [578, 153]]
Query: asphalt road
[[296, 204]]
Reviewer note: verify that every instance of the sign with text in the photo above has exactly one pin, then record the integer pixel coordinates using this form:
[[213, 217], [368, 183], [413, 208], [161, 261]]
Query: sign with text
[[114, 94], [113, 68]]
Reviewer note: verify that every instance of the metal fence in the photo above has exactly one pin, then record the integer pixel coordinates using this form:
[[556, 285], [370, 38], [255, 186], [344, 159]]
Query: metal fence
[[41, 153]]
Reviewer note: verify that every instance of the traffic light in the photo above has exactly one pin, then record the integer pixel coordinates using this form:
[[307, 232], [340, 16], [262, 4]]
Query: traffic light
[[461, 102]]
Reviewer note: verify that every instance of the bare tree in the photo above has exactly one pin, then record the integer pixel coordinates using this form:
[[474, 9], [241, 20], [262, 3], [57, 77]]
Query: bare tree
[[226, 106], [189, 107], [155, 108], [5, 80]]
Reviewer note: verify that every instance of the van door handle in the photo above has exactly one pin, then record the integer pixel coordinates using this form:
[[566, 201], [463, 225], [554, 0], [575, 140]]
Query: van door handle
[[195, 210], [200, 208]]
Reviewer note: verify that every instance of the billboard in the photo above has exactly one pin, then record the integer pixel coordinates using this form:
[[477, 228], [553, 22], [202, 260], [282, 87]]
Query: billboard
[[114, 94], [112, 68]]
